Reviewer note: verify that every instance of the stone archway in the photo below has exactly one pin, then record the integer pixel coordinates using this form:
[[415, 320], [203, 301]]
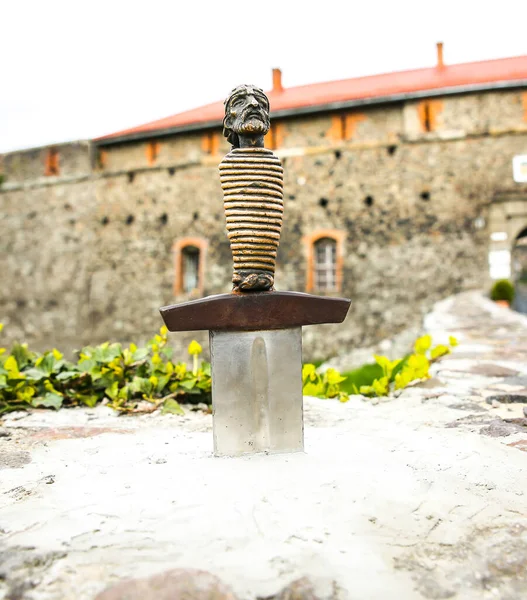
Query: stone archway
[[507, 224], [519, 270]]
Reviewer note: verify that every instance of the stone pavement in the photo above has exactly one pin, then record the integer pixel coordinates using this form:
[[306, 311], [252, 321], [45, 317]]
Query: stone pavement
[[420, 496]]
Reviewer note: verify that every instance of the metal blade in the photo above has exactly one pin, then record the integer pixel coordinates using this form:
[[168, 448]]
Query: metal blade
[[257, 391]]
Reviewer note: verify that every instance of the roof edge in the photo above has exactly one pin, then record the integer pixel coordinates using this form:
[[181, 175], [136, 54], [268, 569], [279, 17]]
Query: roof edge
[[317, 109]]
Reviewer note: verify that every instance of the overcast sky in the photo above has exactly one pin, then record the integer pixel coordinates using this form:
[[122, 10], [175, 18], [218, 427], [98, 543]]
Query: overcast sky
[[77, 70]]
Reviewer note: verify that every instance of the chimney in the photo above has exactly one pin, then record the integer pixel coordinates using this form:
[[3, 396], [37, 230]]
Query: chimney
[[440, 63], [277, 81]]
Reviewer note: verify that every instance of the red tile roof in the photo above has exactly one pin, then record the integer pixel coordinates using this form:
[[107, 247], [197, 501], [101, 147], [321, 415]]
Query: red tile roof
[[486, 74]]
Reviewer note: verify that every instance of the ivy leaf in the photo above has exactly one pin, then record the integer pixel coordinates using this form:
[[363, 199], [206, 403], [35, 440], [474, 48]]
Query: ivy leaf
[[139, 354], [205, 368], [308, 372], [87, 365], [64, 375], [11, 366], [141, 385], [167, 352], [35, 374], [367, 390], [112, 390], [204, 385], [46, 363], [171, 406], [88, 399], [381, 386], [333, 377], [386, 364], [189, 383], [313, 389], [22, 355], [50, 400], [161, 383], [106, 352], [403, 378]]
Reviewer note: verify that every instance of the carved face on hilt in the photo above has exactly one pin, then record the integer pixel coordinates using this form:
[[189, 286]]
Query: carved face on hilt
[[246, 116]]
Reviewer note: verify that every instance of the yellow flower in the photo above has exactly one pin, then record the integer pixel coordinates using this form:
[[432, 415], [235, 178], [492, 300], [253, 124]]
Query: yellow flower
[[422, 344], [194, 348], [309, 371]]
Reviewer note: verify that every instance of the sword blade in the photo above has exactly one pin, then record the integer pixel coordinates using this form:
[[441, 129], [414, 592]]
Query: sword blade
[[257, 391]]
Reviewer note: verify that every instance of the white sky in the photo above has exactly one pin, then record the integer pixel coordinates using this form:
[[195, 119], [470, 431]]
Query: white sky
[[76, 69]]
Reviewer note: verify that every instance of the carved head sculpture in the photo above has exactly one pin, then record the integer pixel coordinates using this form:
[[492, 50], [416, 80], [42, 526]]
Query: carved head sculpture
[[246, 113]]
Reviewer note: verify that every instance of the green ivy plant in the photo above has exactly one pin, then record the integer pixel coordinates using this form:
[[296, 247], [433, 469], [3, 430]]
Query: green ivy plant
[[325, 385], [133, 379], [398, 374], [128, 379]]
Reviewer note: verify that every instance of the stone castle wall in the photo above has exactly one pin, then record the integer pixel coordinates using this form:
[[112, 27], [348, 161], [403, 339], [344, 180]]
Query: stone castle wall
[[89, 253]]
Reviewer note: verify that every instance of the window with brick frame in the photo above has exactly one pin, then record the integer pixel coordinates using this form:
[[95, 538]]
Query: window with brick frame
[[102, 158], [325, 265], [274, 137], [52, 162], [210, 143], [325, 258], [428, 111], [344, 125], [152, 152], [189, 257]]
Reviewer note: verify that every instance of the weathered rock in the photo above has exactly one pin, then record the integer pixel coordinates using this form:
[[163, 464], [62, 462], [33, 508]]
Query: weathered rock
[[301, 589], [14, 460], [506, 398], [468, 406], [184, 584], [491, 370], [502, 428]]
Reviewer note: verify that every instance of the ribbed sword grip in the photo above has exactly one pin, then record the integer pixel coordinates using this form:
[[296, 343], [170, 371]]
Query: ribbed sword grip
[[252, 183]]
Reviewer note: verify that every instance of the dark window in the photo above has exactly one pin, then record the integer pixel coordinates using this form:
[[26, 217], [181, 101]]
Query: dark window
[[190, 269], [326, 265]]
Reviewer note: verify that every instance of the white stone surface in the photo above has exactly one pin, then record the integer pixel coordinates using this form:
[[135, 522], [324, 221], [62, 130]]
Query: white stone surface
[[387, 501]]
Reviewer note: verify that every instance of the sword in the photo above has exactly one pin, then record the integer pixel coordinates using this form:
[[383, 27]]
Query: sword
[[255, 332]]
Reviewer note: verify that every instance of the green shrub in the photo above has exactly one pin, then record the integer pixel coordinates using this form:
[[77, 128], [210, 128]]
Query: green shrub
[[127, 379], [502, 290], [398, 374]]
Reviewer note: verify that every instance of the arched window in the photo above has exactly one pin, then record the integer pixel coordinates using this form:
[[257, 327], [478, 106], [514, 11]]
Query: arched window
[[325, 257], [189, 255], [325, 265]]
